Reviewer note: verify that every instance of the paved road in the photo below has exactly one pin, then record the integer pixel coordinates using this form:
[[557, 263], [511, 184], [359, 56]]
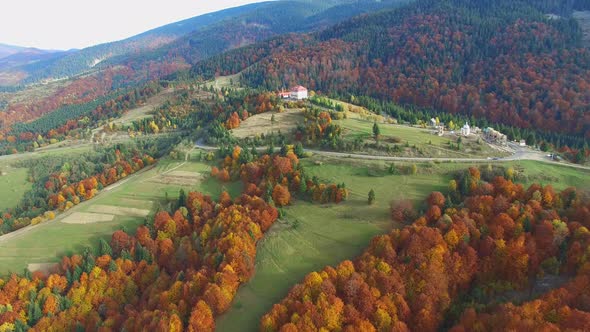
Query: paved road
[[521, 153]]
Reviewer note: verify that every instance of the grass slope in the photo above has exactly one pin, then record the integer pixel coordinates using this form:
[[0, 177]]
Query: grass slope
[[49, 241], [13, 186], [15, 183], [312, 236], [424, 140]]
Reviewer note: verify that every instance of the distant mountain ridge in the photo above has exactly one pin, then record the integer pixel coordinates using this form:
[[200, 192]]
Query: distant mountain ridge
[[194, 39], [10, 50], [67, 64], [6, 50]]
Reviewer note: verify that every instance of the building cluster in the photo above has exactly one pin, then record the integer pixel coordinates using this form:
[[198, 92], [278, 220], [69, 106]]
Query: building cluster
[[297, 93], [465, 131]]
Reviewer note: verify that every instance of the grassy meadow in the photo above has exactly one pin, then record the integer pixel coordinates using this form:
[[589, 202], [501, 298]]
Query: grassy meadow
[[49, 241], [415, 142], [311, 236], [13, 185]]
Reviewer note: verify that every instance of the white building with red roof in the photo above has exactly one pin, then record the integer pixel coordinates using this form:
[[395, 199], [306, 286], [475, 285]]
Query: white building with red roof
[[299, 93]]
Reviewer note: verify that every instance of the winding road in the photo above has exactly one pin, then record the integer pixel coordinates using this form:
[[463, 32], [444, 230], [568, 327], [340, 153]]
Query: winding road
[[520, 153]]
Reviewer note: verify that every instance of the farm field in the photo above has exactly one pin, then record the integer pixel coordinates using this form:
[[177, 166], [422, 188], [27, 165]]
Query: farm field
[[259, 124], [311, 236], [125, 204], [429, 144]]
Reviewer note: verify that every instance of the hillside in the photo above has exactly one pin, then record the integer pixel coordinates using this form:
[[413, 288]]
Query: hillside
[[69, 64], [213, 34], [474, 58], [259, 24], [30, 55], [193, 39], [14, 56]]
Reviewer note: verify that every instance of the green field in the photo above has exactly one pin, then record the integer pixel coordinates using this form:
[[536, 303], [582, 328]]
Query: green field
[[49, 241], [428, 144], [312, 236], [309, 237], [230, 81], [13, 186], [559, 176]]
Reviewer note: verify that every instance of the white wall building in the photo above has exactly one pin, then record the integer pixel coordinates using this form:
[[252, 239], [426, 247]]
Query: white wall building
[[466, 130], [299, 93]]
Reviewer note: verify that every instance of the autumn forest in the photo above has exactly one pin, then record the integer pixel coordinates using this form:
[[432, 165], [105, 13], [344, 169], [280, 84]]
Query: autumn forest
[[304, 166]]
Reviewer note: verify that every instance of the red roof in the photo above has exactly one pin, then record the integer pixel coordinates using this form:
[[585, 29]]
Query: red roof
[[299, 88]]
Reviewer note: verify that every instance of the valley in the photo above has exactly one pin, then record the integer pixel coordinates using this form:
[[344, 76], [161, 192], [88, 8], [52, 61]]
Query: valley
[[303, 166]]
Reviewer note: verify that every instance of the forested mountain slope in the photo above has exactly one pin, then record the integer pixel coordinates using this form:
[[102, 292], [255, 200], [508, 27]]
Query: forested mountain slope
[[502, 60], [260, 23], [73, 63], [226, 30], [29, 55], [197, 38]]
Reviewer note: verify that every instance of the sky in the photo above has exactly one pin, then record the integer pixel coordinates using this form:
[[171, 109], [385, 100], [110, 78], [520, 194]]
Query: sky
[[67, 24]]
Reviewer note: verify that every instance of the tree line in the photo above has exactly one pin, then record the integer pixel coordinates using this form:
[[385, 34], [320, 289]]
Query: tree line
[[441, 270]]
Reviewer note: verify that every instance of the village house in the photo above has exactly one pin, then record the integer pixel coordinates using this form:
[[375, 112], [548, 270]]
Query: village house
[[466, 130], [298, 93]]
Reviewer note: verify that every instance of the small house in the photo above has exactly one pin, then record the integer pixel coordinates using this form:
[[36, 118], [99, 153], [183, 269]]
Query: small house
[[522, 143], [298, 93], [466, 130]]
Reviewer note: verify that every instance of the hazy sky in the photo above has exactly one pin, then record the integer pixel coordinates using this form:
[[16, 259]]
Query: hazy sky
[[66, 24]]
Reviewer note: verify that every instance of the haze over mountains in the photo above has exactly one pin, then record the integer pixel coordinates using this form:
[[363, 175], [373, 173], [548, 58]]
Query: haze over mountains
[[186, 41]]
